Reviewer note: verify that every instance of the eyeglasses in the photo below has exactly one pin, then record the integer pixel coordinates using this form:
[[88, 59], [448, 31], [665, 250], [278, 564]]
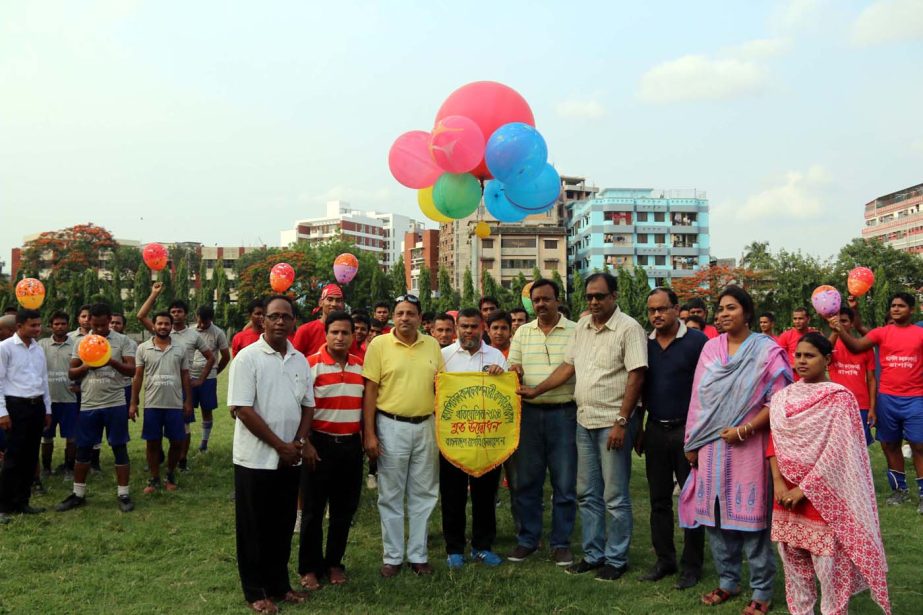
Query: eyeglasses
[[278, 317], [659, 310], [408, 298], [597, 296]]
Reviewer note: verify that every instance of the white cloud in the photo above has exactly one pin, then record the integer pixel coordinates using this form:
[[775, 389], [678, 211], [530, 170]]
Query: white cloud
[[698, 77], [798, 197], [761, 48], [581, 109], [886, 21], [796, 14]]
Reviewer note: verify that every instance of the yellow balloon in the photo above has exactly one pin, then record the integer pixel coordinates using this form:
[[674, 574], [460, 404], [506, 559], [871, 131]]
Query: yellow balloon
[[428, 207], [482, 230]]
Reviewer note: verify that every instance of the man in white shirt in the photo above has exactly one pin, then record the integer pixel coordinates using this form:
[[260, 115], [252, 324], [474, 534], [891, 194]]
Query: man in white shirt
[[25, 410], [270, 384], [470, 354]]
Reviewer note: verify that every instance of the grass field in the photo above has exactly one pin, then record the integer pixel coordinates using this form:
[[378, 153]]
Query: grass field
[[176, 554]]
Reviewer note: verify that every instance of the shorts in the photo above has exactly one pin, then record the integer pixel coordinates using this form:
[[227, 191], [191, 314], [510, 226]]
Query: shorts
[[205, 396], [899, 417], [63, 414], [162, 423], [91, 423], [865, 426]]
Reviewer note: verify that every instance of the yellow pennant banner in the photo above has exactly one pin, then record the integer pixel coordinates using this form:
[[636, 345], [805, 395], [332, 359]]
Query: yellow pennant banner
[[477, 419]]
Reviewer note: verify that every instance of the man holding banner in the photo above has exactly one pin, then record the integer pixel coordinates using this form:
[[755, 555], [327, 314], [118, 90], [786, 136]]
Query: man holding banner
[[471, 458]]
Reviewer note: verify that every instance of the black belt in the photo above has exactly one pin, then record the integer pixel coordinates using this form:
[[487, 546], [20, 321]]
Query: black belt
[[566, 404], [668, 424], [335, 439], [405, 419], [26, 400]]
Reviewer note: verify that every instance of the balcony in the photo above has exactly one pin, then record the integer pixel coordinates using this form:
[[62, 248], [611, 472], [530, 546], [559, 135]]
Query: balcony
[[652, 250]]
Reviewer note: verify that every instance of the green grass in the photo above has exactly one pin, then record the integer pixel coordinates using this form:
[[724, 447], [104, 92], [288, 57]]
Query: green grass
[[176, 553]]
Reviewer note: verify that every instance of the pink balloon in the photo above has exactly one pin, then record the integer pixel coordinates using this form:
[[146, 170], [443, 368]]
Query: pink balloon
[[411, 163], [457, 144]]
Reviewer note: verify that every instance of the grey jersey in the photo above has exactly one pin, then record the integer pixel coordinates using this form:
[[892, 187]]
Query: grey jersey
[[102, 387], [58, 359], [163, 382], [216, 341]]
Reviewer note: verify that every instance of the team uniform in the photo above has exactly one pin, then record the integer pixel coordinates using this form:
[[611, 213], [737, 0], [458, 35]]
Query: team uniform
[[244, 338], [102, 404], [189, 341], [205, 396], [851, 371], [64, 406], [126, 380], [163, 390], [900, 392]]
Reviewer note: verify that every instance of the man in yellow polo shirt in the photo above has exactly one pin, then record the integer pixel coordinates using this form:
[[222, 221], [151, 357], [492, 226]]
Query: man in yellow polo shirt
[[397, 407]]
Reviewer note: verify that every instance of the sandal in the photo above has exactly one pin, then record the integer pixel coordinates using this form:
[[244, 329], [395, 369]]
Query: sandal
[[309, 581], [264, 607], [718, 596], [337, 576], [293, 597], [757, 607]]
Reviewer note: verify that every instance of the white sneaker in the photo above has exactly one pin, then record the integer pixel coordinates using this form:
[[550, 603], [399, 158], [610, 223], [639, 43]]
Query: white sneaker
[[371, 482], [297, 528]]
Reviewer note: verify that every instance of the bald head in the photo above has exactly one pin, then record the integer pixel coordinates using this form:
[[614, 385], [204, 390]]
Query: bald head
[[7, 326]]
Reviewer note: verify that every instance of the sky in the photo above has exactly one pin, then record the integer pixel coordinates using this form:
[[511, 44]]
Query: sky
[[225, 121]]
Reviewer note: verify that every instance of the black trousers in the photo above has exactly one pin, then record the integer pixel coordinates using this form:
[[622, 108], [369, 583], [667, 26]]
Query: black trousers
[[453, 489], [22, 446], [663, 453], [264, 503], [337, 482]]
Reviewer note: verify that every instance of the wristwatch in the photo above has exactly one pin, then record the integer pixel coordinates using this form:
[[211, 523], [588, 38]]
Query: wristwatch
[[621, 421]]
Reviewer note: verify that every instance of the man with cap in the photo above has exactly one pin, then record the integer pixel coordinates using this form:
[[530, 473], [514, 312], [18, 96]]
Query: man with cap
[[311, 336]]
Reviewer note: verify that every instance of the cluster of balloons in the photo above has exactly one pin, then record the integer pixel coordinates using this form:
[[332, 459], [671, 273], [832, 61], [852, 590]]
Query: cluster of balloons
[[345, 267], [483, 131], [155, 256], [94, 350], [30, 293]]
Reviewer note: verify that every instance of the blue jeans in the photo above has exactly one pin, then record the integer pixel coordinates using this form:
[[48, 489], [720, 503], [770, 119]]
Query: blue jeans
[[727, 550], [546, 443], [602, 493]]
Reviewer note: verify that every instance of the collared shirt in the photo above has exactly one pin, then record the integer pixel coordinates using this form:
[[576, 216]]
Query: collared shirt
[[22, 372], [602, 359], [276, 387], [310, 337], [337, 393], [216, 341], [670, 372], [102, 387], [405, 373], [58, 361], [457, 359], [163, 374], [540, 354]]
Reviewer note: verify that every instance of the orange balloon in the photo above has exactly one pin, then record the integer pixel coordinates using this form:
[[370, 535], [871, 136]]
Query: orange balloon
[[859, 281], [155, 256], [30, 293], [281, 277], [94, 350]]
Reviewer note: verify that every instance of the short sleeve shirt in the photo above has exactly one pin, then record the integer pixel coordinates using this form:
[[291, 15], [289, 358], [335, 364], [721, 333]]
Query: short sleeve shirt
[[102, 387], [900, 350], [58, 360], [190, 341], [540, 354], [163, 374], [216, 341], [126, 380], [242, 339], [406, 374], [851, 370]]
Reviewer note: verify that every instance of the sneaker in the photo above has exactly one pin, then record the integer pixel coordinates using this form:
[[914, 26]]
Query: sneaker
[[898, 497], [455, 561], [562, 556], [520, 553], [70, 502], [486, 557], [610, 573], [153, 484], [38, 488], [371, 482], [582, 567], [183, 465], [125, 503], [203, 447]]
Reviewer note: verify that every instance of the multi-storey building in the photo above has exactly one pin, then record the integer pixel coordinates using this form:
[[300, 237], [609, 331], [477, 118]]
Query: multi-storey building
[[663, 231], [421, 248], [896, 219]]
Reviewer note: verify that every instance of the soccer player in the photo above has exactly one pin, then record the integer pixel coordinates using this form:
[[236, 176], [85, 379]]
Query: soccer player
[[59, 348], [83, 323], [248, 335], [444, 329], [499, 324], [856, 372], [167, 396], [205, 394], [310, 336], [118, 325], [102, 406], [789, 338]]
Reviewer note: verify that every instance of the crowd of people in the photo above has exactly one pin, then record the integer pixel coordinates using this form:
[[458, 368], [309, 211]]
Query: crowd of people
[[765, 434]]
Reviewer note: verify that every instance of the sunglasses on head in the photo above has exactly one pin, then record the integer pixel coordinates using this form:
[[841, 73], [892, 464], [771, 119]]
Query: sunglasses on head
[[408, 298]]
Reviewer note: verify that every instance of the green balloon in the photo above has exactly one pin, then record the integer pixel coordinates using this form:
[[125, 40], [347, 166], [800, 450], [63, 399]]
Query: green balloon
[[457, 195]]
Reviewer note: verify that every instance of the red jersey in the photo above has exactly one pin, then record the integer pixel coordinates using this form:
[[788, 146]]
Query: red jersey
[[851, 370], [900, 351], [243, 339], [788, 340], [710, 332], [310, 337], [358, 350]]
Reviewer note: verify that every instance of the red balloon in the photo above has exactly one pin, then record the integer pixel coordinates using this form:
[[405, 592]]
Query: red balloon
[[155, 256], [281, 277], [860, 280], [410, 160], [490, 105], [457, 144]]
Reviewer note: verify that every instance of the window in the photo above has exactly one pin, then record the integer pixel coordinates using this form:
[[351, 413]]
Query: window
[[642, 260], [660, 238], [487, 244], [551, 264], [660, 261], [642, 216], [642, 237], [517, 263], [228, 263], [658, 216], [517, 242], [551, 244], [618, 217]]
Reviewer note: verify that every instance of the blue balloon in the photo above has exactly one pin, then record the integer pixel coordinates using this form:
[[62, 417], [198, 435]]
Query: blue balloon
[[536, 195], [499, 206], [515, 152]]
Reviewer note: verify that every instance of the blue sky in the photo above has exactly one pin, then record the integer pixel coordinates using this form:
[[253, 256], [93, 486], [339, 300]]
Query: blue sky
[[223, 122]]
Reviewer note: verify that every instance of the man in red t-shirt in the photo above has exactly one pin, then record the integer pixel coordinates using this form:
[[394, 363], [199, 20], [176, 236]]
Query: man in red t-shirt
[[311, 336], [698, 308], [854, 371], [899, 407], [382, 313], [788, 339], [361, 325], [253, 330]]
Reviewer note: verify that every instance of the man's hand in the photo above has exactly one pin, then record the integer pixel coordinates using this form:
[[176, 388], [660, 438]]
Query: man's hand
[[616, 438], [197, 382], [47, 422], [693, 458], [372, 446], [873, 418], [289, 453], [309, 455], [187, 409], [527, 392], [517, 369], [6, 422], [834, 322], [133, 411], [639, 443], [495, 370], [852, 302], [156, 288]]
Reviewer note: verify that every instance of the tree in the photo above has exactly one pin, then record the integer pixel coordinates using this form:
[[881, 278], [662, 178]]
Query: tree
[[205, 288], [708, 283], [398, 277], [757, 257], [489, 286], [894, 271], [577, 297], [556, 278], [468, 298], [426, 288], [76, 248], [181, 278], [536, 274], [448, 296], [379, 286]]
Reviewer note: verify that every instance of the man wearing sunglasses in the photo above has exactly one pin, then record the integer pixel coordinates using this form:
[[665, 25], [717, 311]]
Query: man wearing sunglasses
[[400, 369]]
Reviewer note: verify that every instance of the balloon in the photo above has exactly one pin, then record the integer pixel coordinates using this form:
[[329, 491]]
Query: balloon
[[538, 194], [30, 293], [410, 161], [428, 207], [499, 206], [457, 195], [859, 281], [490, 105], [826, 300], [345, 267], [527, 299], [94, 350], [155, 256], [515, 153], [281, 277], [482, 230], [457, 144], [453, 314]]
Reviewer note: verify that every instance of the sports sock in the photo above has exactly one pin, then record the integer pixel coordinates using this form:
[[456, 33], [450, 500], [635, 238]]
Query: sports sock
[[80, 490], [897, 480], [122, 490], [206, 430]]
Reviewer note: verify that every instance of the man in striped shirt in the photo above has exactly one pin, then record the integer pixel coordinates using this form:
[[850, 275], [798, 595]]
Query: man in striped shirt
[[336, 478]]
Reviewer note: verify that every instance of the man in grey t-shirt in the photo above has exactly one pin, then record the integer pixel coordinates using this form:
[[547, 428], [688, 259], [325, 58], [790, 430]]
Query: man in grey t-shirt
[[59, 348], [205, 394]]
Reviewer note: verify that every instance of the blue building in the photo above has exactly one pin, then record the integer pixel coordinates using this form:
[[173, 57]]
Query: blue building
[[663, 231]]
